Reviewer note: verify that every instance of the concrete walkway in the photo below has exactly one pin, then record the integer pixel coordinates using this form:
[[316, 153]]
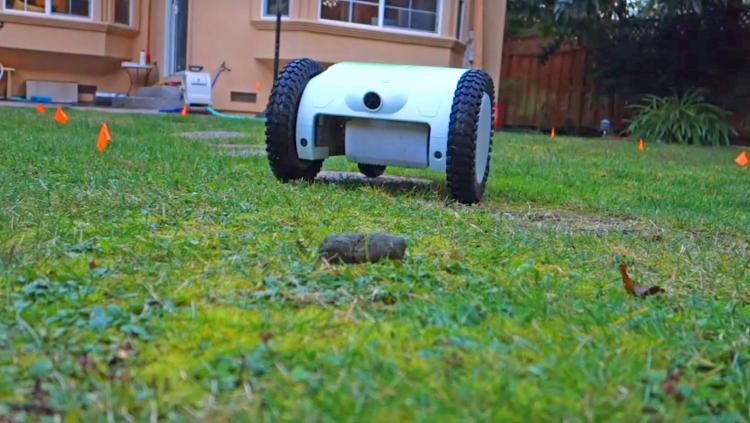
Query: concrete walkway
[[21, 104]]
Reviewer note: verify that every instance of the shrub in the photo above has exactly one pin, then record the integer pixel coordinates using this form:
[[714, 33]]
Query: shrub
[[681, 119]]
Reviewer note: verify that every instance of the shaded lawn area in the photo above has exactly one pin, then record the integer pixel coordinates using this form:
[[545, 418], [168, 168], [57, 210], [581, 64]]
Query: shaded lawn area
[[169, 279]]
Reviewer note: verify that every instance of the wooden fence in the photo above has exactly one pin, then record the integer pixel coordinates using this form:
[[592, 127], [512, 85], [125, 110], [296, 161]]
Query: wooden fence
[[557, 94]]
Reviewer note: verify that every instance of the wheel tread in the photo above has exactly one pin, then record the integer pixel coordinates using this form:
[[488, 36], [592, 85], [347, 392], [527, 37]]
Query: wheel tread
[[464, 124], [281, 122]]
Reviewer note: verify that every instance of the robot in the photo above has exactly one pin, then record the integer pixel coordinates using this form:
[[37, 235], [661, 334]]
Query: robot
[[380, 115]]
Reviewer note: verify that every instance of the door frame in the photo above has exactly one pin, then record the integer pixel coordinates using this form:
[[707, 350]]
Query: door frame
[[170, 37]]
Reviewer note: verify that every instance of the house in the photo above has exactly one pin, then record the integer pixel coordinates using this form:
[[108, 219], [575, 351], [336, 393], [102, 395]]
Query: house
[[86, 41]]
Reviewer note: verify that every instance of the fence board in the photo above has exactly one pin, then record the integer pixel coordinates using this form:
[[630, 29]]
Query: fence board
[[557, 94], [554, 94]]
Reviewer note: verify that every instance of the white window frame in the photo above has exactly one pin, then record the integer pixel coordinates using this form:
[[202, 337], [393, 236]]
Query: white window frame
[[380, 27], [168, 40], [51, 15], [264, 15], [463, 24], [170, 37], [131, 6]]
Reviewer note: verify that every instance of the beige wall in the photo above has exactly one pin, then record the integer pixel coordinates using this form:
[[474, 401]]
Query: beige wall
[[85, 51], [234, 31], [490, 34]]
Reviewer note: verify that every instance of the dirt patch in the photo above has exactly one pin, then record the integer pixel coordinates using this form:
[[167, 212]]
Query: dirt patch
[[570, 221], [242, 150], [385, 180], [211, 135]]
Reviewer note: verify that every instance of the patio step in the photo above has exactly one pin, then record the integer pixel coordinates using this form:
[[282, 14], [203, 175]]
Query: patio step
[[156, 103], [171, 93], [154, 98]]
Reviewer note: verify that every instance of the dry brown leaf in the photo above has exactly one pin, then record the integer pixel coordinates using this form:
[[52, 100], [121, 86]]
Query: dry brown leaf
[[671, 384], [265, 337], [634, 289]]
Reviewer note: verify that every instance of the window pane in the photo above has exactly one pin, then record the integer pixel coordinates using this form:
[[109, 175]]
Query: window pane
[[423, 21], [365, 14], [71, 7], [338, 10], [36, 5], [412, 17], [13, 4], [398, 3], [122, 12], [80, 7], [408, 14], [61, 6], [427, 5], [26, 5], [270, 8], [396, 17]]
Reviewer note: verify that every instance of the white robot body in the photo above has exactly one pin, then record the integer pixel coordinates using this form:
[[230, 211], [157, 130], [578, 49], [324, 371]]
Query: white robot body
[[409, 129], [380, 115]]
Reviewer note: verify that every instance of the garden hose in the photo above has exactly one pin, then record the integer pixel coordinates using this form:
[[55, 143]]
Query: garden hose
[[234, 117]]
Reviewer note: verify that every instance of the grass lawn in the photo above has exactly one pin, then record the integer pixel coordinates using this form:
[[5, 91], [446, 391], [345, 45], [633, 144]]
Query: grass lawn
[[167, 279]]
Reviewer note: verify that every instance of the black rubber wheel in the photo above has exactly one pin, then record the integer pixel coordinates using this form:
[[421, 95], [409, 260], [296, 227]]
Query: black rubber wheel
[[371, 171], [461, 166], [281, 122]]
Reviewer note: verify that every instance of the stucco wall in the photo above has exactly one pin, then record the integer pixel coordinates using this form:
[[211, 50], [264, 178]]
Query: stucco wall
[[234, 31], [242, 38], [85, 51]]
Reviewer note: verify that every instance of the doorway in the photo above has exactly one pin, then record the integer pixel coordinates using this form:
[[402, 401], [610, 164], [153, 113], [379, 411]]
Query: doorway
[[176, 36]]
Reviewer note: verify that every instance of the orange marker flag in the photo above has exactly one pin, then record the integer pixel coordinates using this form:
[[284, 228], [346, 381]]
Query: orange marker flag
[[552, 133], [185, 111], [41, 109], [61, 116], [742, 160], [641, 145], [105, 136]]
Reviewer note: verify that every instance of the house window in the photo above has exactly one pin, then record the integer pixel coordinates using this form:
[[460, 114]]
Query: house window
[[269, 7], [356, 11], [79, 8], [411, 14], [38, 6], [72, 8], [122, 12], [416, 15]]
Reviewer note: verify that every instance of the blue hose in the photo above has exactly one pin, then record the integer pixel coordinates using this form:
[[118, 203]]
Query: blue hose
[[33, 99], [234, 117]]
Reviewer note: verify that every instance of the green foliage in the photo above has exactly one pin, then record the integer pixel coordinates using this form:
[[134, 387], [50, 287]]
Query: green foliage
[[681, 119], [659, 47], [170, 280]]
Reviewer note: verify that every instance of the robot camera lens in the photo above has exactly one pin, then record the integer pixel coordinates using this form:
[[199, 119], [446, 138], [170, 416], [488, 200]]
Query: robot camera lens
[[372, 101]]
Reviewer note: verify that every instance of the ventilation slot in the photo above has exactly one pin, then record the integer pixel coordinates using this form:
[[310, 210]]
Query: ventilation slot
[[240, 97]]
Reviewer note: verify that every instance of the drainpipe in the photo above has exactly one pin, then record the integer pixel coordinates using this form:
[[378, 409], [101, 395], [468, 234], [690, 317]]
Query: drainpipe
[[278, 42], [479, 34], [148, 26], [460, 20]]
